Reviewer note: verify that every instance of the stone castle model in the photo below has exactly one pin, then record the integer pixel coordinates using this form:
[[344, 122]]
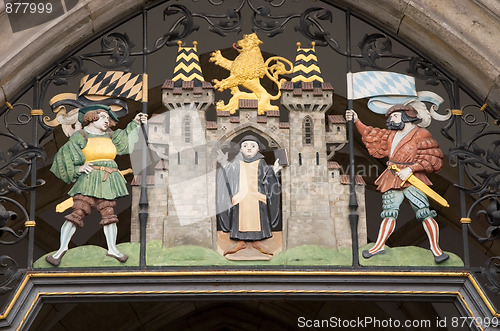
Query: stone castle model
[[315, 194]]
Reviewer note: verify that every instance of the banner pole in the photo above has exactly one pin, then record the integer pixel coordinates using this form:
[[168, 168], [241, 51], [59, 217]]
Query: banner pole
[[353, 201], [143, 200]]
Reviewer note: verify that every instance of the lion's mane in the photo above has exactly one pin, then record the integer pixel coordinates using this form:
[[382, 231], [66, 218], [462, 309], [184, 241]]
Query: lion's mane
[[249, 64]]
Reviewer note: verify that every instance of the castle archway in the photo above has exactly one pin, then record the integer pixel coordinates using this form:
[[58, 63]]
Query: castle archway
[[232, 139], [230, 144]]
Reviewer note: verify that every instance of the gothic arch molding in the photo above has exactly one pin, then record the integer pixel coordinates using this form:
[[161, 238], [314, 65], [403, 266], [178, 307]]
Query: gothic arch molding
[[462, 40], [269, 136]]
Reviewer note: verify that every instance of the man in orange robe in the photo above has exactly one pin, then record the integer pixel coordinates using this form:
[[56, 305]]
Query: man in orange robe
[[413, 150]]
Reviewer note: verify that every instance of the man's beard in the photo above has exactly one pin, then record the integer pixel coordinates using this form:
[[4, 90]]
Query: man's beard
[[395, 126]]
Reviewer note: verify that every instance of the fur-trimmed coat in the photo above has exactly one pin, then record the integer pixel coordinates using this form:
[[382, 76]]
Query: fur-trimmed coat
[[417, 150]]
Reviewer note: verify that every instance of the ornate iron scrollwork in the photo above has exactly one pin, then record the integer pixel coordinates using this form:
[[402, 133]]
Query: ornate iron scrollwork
[[8, 235], [491, 271], [224, 24], [117, 47], [427, 72], [185, 21], [376, 52], [482, 166], [9, 269], [309, 20], [376, 47], [492, 215], [262, 20], [67, 69], [9, 273], [271, 25], [16, 161], [480, 158]]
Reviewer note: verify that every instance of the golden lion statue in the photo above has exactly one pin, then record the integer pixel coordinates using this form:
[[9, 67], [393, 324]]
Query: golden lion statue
[[247, 70]]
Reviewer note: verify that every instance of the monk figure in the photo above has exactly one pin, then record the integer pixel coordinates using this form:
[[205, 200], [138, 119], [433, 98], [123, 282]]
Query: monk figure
[[248, 197]]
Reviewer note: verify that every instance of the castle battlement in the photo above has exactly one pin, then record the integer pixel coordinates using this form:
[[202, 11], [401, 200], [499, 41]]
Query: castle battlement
[[268, 124], [201, 96], [304, 96]]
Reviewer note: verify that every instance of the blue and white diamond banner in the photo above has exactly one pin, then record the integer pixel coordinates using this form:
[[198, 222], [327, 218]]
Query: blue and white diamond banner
[[367, 84]]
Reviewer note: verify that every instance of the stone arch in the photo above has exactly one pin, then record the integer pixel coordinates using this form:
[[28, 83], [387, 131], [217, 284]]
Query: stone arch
[[272, 140], [454, 37]]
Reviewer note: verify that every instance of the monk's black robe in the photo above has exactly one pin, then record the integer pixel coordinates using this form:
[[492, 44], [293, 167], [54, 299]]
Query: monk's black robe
[[248, 198]]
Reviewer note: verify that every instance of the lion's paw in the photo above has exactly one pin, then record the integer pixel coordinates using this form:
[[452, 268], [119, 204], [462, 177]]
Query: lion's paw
[[215, 56]]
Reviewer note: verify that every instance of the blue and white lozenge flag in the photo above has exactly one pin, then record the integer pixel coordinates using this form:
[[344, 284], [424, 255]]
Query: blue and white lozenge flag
[[384, 89], [367, 84]]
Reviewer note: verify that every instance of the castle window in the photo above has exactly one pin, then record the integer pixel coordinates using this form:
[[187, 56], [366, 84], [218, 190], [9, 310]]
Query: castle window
[[186, 130], [307, 131]]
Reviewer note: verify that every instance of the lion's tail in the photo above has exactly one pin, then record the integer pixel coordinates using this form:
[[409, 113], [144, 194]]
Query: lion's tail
[[279, 68]]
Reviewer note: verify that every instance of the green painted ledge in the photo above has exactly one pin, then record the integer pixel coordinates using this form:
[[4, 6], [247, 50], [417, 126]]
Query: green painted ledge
[[410, 256], [309, 255]]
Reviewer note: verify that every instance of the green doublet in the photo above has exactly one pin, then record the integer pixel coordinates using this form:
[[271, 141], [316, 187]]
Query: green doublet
[[70, 157]]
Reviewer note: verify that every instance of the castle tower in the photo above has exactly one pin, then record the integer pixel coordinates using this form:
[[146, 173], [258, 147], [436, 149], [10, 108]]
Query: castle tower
[[317, 192], [307, 98], [187, 96], [179, 136]]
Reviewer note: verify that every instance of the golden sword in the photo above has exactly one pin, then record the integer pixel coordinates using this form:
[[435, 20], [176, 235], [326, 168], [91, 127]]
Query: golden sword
[[422, 187]]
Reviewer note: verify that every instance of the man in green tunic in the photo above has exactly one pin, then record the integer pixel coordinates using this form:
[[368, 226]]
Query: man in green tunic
[[87, 160]]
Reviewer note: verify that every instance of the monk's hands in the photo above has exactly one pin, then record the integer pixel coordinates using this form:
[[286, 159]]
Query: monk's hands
[[351, 115], [141, 118], [222, 158], [86, 168], [276, 166], [405, 173]]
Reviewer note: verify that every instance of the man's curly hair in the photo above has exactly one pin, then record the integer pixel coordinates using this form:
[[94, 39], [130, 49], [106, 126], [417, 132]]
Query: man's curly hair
[[93, 116]]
